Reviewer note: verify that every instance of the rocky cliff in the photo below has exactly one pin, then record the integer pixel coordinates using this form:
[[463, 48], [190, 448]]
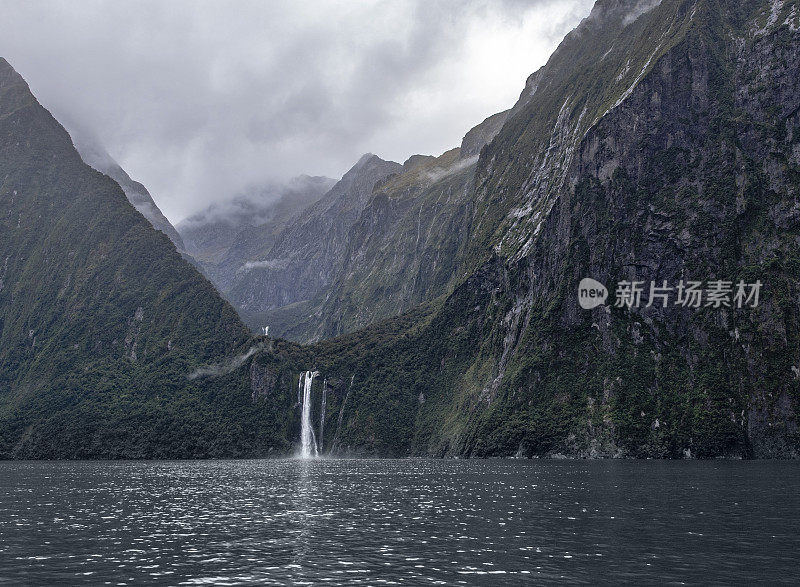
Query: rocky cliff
[[658, 145]]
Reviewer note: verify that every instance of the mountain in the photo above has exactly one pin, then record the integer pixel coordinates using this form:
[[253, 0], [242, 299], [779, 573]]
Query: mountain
[[308, 254], [409, 244], [384, 239], [103, 324], [659, 144], [94, 154], [224, 238]]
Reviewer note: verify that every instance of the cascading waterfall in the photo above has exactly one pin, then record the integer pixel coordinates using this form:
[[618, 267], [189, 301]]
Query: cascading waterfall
[[308, 442], [335, 442], [322, 414]]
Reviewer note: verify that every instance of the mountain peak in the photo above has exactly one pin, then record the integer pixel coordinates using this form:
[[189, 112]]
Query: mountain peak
[[371, 160], [483, 133], [7, 72]]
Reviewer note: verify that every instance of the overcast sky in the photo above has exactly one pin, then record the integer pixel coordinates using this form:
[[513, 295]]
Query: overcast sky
[[200, 99]]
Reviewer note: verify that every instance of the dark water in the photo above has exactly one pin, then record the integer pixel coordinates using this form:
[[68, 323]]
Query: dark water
[[399, 522]]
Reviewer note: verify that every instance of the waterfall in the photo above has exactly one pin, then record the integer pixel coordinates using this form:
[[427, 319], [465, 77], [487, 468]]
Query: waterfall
[[308, 443], [300, 390], [322, 414], [335, 442]]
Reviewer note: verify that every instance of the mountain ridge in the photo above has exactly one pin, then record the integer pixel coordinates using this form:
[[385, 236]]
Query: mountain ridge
[[425, 189]]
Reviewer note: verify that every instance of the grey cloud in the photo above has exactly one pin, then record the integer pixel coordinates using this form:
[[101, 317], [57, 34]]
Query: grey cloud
[[255, 204], [642, 7], [439, 172], [225, 367], [199, 100]]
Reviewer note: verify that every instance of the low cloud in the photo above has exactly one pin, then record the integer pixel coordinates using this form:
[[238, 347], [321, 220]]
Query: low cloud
[[200, 99], [224, 367], [257, 204], [642, 7], [438, 173], [270, 264]]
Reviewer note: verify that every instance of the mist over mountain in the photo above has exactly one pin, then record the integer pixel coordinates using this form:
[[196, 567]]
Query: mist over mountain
[[199, 101], [225, 237], [259, 205], [101, 318]]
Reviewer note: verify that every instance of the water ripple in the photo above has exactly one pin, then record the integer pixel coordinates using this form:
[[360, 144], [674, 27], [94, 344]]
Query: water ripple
[[388, 522]]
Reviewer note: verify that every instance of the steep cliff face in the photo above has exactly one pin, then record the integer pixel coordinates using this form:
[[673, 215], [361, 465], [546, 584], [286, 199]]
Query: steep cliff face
[[409, 244], [657, 145], [93, 154], [404, 248], [691, 173]]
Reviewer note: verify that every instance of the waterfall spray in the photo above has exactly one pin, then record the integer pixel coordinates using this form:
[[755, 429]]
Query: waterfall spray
[[308, 443]]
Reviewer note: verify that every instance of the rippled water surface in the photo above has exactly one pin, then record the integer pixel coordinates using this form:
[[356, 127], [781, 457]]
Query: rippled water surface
[[411, 522]]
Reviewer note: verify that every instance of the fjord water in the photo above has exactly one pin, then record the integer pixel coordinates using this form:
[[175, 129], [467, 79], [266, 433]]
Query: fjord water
[[398, 522]]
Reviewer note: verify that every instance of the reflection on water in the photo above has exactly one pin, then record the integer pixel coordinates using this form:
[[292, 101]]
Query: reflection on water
[[303, 516], [398, 522]]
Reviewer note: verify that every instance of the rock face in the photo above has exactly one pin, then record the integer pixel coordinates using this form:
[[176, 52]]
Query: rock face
[[656, 145], [93, 154], [405, 247]]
